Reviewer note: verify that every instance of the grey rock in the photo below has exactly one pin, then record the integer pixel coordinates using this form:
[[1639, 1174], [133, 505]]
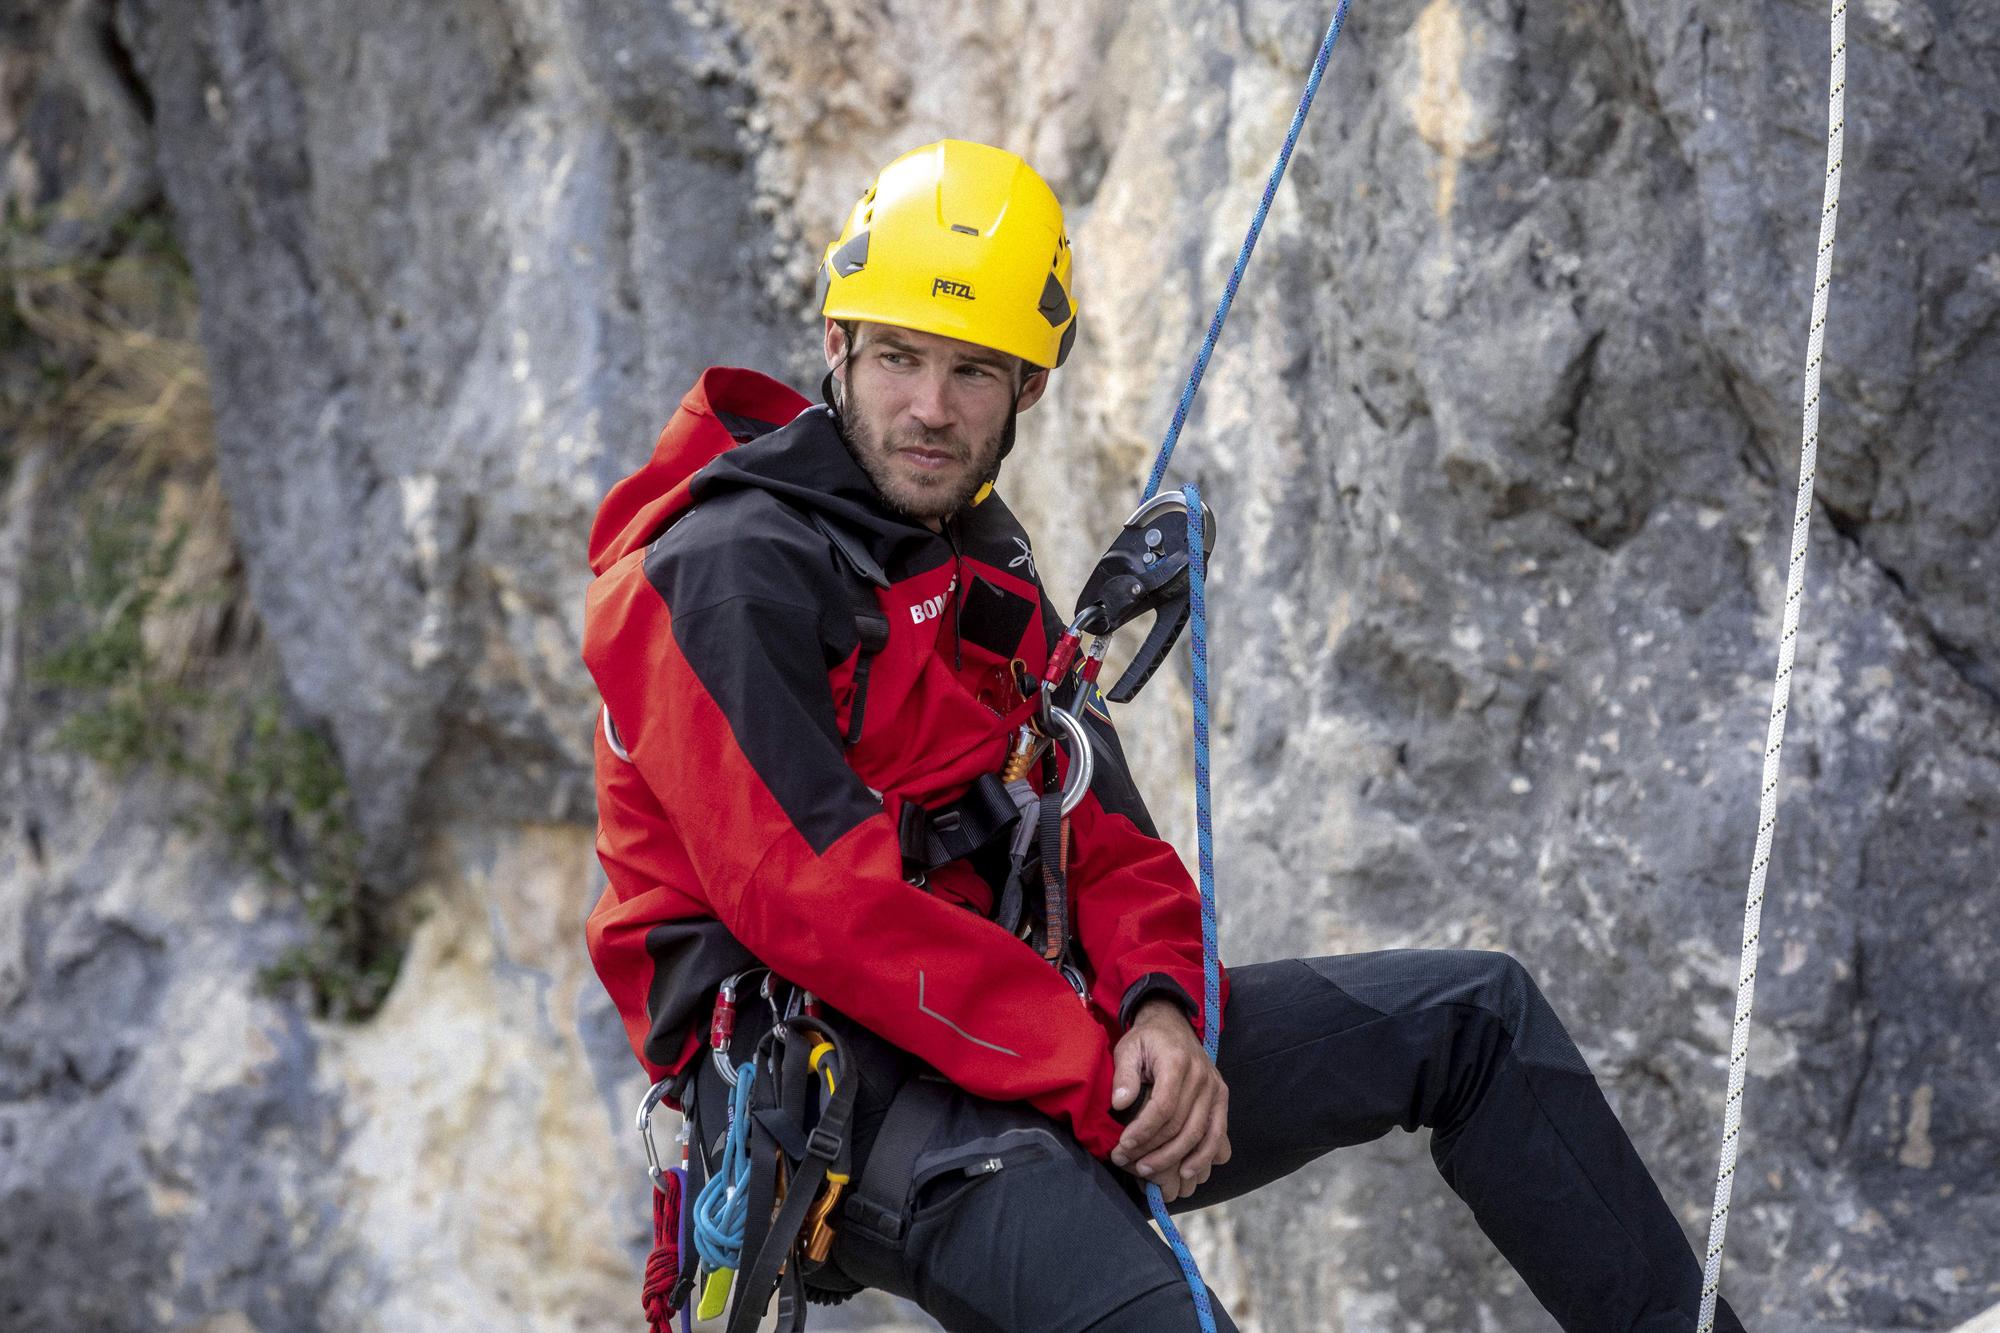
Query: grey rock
[[1503, 432]]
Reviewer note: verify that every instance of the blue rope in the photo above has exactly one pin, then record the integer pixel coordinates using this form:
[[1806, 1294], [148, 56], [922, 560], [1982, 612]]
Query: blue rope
[[1211, 972], [1198, 642], [1243, 256], [724, 1202]]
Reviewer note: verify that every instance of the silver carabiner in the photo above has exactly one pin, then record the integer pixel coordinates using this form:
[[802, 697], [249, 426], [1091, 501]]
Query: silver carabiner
[[1082, 759], [654, 1096]]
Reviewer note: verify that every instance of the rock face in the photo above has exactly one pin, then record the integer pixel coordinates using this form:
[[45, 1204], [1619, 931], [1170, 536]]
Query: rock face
[[1503, 433]]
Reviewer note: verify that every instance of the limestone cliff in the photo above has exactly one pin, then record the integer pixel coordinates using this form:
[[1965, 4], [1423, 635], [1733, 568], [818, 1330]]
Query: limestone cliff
[[1502, 433]]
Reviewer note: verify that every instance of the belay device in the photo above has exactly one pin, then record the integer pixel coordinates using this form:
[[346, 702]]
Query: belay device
[[1146, 569]]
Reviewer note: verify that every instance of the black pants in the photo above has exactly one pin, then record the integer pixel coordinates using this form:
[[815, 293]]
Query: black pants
[[1012, 1226]]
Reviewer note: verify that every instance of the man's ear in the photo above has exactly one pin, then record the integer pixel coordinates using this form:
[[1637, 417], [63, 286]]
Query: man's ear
[[835, 339], [1032, 389]]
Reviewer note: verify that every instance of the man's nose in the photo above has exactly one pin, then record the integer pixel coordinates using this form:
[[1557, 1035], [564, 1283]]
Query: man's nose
[[931, 403]]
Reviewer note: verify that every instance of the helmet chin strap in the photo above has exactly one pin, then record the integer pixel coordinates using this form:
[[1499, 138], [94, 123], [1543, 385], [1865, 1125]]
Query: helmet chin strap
[[826, 385]]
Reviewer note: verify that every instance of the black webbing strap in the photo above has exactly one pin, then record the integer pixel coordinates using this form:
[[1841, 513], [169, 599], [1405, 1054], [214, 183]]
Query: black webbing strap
[[1007, 908], [931, 838], [872, 627], [766, 1161], [874, 1210], [826, 1148]]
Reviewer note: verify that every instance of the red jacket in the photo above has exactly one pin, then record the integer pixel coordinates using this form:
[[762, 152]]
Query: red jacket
[[725, 648]]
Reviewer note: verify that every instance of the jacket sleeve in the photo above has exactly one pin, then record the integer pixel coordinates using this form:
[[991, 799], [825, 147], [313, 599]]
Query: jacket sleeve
[[1138, 914], [727, 712]]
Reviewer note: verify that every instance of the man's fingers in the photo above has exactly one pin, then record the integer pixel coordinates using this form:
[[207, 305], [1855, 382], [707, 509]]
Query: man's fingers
[[1211, 1152], [1128, 1074], [1188, 1133], [1163, 1113]]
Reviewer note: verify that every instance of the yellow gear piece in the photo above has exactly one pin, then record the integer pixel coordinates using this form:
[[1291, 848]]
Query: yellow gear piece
[[962, 240], [715, 1296]]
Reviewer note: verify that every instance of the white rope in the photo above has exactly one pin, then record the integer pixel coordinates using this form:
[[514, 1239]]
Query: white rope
[[1746, 983]]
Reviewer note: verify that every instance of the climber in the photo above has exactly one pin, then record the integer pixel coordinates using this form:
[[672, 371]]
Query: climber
[[816, 630]]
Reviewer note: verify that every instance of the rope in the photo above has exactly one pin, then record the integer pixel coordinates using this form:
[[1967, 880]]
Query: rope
[[724, 1202], [1211, 977], [1243, 255], [1746, 984], [1211, 985]]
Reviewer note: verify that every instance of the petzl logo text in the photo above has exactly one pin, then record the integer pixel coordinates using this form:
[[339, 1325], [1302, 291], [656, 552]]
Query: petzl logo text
[[946, 287]]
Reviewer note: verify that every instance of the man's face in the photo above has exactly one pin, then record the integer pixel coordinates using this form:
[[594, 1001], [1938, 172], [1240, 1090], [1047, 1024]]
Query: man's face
[[925, 415]]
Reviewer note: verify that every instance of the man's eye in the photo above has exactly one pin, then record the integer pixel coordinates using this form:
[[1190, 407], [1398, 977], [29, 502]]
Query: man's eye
[[893, 358], [973, 370]]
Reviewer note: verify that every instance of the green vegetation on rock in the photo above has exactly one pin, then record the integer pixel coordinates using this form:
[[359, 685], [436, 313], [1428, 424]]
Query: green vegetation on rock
[[143, 640]]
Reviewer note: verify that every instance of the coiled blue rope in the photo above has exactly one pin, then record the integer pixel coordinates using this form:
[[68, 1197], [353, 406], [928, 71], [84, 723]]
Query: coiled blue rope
[[1198, 642], [724, 1202]]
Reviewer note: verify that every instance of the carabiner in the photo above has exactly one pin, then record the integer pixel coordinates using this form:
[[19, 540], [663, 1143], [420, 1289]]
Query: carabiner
[[1082, 759], [654, 1096], [722, 1027]]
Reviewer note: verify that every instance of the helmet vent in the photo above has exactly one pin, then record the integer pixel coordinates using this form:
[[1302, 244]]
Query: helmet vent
[[1054, 304], [852, 257], [964, 230]]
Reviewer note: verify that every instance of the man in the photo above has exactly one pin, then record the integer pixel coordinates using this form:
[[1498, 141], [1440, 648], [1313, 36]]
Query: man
[[764, 757]]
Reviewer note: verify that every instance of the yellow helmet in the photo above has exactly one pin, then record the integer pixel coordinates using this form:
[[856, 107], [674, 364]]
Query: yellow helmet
[[961, 240]]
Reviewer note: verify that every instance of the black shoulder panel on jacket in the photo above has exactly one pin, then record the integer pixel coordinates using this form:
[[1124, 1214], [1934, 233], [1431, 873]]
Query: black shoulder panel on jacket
[[760, 613], [752, 544]]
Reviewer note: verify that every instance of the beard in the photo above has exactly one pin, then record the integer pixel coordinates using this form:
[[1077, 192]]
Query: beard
[[908, 490]]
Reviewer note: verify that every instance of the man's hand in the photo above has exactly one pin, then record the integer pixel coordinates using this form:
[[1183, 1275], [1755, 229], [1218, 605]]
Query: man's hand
[[1182, 1132]]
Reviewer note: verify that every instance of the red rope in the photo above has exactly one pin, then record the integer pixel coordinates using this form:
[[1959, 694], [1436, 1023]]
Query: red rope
[[663, 1266]]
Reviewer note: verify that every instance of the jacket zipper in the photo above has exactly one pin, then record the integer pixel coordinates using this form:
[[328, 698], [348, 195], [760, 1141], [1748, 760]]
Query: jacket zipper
[[958, 598]]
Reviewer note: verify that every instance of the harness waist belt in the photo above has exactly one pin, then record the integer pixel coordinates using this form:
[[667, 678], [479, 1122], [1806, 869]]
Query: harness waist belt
[[932, 838]]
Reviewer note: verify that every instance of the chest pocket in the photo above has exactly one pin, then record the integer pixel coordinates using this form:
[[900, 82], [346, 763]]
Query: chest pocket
[[995, 619]]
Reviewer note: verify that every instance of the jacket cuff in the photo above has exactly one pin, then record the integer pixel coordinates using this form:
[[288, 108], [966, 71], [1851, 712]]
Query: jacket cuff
[[1149, 986]]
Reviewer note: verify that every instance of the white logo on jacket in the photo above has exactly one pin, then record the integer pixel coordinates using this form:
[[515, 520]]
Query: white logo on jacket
[[1027, 557], [931, 607]]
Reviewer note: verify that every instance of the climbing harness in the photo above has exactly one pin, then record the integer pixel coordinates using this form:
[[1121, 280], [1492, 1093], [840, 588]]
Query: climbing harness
[[1781, 688], [764, 1223]]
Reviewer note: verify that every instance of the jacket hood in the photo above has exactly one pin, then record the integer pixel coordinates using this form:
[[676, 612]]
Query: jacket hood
[[738, 429]]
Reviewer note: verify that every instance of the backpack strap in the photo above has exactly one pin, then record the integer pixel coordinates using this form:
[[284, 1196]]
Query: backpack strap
[[871, 627]]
